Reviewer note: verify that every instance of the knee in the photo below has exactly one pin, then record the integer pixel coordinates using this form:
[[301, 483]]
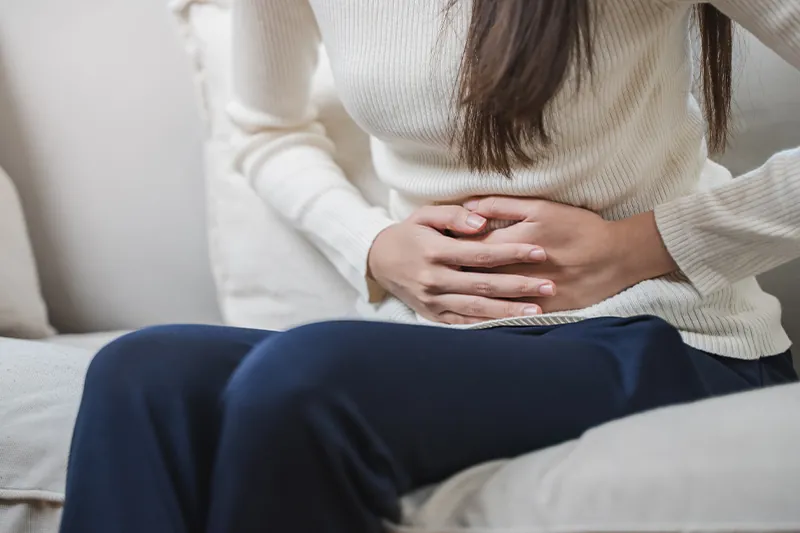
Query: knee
[[296, 377], [128, 355], [662, 337], [148, 362]]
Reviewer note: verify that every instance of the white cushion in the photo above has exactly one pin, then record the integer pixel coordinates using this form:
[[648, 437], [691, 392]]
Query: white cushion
[[40, 390], [22, 308], [723, 465], [267, 275], [29, 517], [87, 341]]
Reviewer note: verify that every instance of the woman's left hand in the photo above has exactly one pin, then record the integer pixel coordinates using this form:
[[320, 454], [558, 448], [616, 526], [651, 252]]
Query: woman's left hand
[[588, 258]]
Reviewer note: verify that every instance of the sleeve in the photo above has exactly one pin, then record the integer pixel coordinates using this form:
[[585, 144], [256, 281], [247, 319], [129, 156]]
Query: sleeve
[[752, 224], [281, 147]]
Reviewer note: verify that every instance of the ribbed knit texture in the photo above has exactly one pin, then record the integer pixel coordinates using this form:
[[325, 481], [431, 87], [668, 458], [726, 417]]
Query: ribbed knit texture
[[631, 141]]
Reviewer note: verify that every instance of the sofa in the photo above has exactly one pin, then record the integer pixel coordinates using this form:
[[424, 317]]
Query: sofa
[[118, 210]]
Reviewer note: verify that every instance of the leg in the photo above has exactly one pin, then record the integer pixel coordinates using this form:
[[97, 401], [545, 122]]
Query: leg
[[147, 430], [327, 425]]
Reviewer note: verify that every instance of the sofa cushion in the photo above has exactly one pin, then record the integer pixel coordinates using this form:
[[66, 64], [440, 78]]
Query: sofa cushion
[[87, 341], [40, 390], [22, 308], [723, 465]]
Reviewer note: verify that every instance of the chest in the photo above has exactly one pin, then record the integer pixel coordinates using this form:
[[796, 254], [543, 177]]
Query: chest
[[396, 63]]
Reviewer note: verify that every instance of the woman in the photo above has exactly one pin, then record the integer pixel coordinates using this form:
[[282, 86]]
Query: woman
[[546, 162]]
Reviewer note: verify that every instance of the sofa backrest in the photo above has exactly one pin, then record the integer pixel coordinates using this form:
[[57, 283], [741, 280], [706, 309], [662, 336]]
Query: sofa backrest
[[99, 130]]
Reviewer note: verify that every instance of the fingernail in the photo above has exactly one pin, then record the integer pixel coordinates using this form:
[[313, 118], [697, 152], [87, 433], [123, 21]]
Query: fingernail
[[472, 204], [548, 289], [476, 221], [538, 255], [529, 311]]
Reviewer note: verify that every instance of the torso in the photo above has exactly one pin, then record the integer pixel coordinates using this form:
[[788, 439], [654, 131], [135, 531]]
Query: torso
[[630, 139], [615, 143]]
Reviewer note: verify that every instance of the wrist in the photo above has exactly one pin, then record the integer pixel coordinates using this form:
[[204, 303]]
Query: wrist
[[374, 253], [643, 252], [375, 286]]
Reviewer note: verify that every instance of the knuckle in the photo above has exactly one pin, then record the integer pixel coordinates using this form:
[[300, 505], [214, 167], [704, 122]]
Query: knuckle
[[428, 280], [491, 206], [484, 259], [430, 254], [526, 287], [475, 307], [426, 299], [433, 306], [419, 214], [484, 288]]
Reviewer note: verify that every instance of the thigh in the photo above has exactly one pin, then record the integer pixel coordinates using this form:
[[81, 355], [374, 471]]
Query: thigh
[[442, 400], [148, 426], [163, 362]]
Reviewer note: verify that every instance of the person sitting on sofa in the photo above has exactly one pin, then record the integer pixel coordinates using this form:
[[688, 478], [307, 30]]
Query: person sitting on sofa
[[551, 203]]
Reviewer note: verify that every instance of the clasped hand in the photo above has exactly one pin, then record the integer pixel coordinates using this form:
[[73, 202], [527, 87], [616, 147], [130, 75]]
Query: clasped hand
[[553, 257]]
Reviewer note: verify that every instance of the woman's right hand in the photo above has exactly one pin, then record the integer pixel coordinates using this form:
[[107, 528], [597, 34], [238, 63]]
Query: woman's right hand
[[424, 268]]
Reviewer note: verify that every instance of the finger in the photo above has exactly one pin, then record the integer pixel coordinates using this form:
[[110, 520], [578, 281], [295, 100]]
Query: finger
[[503, 207], [449, 217], [447, 317], [496, 285], [478, 306], [460, 320], [521, 232], [482, 255]]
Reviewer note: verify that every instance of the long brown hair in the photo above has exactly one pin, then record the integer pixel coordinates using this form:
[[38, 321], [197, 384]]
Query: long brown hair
[[518, 56]]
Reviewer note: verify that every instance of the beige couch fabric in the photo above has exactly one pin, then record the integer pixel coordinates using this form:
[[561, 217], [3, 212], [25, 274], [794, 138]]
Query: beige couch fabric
[[29, 517], [727, 465], [22, 309], [40, 389]]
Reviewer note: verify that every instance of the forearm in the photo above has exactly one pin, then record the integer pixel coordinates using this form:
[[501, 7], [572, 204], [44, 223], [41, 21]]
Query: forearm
[[304, 185], [282, 148], [721, 236], [742, 229]]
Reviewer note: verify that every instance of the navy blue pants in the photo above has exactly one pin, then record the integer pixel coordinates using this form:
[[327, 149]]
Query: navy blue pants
[[321, 429]]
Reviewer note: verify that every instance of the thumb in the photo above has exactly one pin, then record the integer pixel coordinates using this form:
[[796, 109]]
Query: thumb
[[450, 218], [502, 207]]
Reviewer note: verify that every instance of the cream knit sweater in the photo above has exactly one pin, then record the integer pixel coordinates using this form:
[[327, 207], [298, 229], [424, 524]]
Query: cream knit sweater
[[634, 142]]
